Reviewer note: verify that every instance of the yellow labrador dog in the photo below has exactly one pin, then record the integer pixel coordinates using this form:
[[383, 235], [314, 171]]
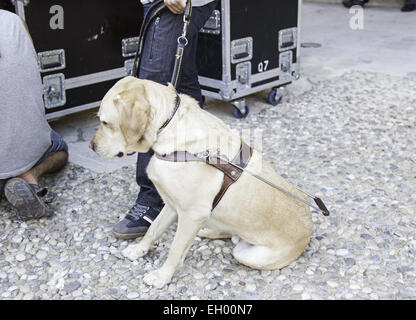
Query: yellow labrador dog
[[273, 229]]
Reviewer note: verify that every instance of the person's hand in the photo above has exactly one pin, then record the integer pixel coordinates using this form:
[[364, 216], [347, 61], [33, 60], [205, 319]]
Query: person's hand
[[176, 6]]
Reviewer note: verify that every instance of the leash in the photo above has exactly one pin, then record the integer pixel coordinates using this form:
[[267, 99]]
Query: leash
[[182, 40], [182, 43]]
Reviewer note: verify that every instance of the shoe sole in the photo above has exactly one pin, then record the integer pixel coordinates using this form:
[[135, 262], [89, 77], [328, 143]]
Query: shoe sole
[[129, 236], [24, 199]]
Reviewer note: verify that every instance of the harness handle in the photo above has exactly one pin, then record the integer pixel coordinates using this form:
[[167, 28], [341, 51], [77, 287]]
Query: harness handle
[[214, 154]]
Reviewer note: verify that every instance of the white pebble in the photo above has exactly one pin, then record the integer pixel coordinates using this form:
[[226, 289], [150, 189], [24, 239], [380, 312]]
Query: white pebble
[[41, 255], [298, 287], [20, 257], [306, 296], [251, 287], [342, 252], [133, 295], [198, 276]]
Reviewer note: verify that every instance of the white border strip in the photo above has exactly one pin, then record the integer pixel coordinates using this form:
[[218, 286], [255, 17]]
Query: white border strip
[[59, 114], [94, 78]]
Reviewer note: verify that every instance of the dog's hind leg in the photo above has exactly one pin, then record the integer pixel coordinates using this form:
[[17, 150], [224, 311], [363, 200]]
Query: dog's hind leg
[[213, 234], [189, 223], [262, 257], [163, 221]]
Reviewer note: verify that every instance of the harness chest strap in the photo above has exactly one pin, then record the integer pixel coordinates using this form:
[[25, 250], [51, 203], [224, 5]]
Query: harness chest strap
[[231, 173]]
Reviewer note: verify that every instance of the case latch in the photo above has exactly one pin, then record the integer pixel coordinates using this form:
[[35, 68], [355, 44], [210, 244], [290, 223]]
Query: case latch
[[54, 94], [285, 62], [243, 75], [128, 67]]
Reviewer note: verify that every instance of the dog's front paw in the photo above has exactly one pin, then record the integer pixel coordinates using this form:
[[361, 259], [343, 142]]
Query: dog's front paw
[[135, 251], [157, 278]]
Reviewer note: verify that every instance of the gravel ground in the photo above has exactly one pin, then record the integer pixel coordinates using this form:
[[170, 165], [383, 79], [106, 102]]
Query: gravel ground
[[350, 140]]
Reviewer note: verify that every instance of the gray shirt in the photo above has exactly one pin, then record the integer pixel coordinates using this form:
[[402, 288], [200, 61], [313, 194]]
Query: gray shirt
[[24, 131]]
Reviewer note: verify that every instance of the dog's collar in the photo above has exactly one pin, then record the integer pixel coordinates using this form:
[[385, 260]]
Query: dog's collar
[[177, 104]]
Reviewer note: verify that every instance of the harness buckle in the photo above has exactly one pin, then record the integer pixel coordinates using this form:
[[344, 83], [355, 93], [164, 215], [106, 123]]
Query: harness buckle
[[209, 154]]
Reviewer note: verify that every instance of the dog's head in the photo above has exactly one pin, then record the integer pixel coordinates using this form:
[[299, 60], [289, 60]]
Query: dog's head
[[124, 116]]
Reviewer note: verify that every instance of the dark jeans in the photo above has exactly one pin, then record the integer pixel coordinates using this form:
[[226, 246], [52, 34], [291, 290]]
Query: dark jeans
[[57, 144], [157, 64]]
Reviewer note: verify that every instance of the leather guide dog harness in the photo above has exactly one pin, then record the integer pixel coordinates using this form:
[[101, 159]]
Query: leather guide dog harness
[[231, 172], [232, 169]]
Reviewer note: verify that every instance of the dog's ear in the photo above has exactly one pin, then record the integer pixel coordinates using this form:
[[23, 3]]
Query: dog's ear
[[133, 108]]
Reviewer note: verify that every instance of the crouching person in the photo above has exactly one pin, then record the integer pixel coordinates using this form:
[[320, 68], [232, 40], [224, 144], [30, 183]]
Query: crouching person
[[29, 147]]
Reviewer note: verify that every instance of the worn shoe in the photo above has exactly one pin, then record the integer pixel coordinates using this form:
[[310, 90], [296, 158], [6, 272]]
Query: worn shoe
[[350, 3], [136, 222], [27, 199]]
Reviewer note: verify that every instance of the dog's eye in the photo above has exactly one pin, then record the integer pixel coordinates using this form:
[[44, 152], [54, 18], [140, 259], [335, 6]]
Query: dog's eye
[[104, 123]]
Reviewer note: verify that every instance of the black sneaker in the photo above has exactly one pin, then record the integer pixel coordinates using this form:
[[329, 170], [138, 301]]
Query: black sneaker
[[27, 199], [350, 3], [409, 6], [2, 183], [136, 222]]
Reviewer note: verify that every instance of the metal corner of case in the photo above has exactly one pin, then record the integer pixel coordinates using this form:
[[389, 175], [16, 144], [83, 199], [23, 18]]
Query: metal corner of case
[[24, 2], [213, 24], [19, 7], [227, 94]]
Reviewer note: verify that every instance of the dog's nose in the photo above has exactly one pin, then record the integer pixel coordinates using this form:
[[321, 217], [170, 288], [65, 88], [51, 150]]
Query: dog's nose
[[120, 154], [92, 146]]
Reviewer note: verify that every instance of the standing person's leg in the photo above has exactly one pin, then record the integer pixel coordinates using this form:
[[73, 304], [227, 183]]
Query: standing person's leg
[[157, 56], [157, 64]]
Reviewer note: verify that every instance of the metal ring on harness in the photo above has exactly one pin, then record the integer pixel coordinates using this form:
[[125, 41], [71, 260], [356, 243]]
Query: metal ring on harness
[[183, 43]]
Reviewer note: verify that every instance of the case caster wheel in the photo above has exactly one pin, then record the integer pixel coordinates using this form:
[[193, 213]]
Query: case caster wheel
[[241, 109], [241, 115], [275, 97]]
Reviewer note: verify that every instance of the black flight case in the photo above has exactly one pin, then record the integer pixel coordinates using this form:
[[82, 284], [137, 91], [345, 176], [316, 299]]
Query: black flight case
[[83, 47], [249, 46]]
